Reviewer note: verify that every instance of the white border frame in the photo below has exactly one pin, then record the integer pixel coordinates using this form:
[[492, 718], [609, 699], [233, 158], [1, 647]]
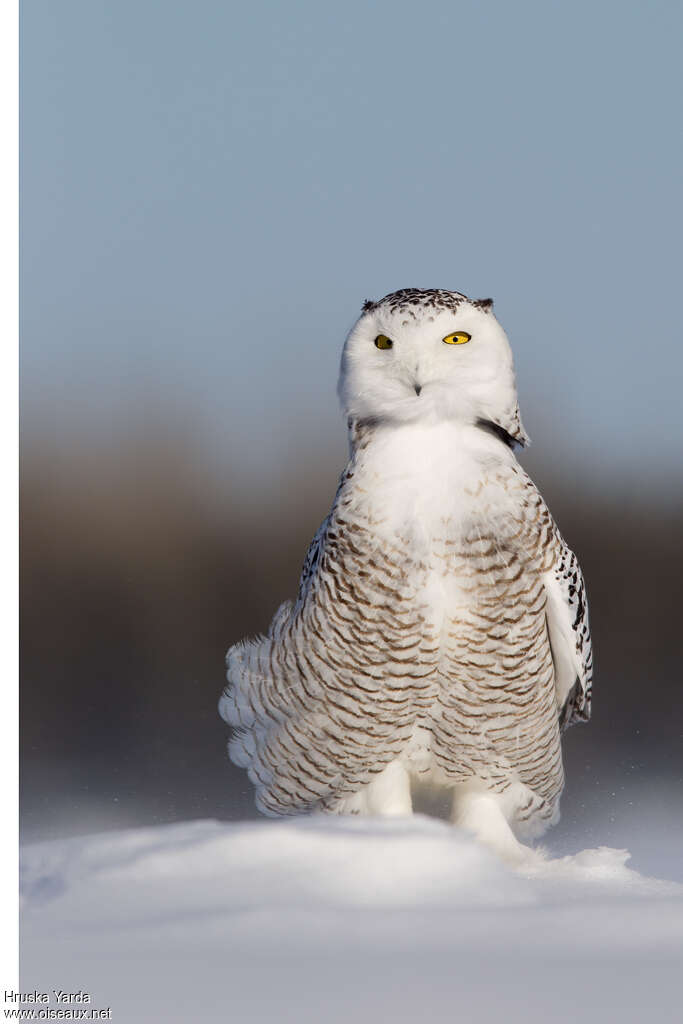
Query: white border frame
[[9, 431]]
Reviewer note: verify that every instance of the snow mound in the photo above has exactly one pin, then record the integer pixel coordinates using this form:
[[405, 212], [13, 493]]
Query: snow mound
[[320, 919]]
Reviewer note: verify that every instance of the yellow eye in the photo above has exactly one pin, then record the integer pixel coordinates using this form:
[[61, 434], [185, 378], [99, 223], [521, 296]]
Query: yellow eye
[[381, 341], [457, 338]]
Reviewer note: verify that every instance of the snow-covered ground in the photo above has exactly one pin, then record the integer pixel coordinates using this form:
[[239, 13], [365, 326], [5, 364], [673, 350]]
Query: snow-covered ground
[[327, 920]]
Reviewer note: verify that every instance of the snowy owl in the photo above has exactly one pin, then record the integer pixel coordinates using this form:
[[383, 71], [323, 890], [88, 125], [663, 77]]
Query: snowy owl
[[440, 634]]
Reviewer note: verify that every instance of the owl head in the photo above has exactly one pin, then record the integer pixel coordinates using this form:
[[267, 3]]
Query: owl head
[[428, 355]]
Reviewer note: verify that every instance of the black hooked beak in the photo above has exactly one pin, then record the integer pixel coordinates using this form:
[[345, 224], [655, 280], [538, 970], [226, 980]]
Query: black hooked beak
[[418, 389]]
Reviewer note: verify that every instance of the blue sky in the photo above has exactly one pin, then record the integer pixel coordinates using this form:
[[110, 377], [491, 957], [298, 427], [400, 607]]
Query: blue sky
[[210, 190]]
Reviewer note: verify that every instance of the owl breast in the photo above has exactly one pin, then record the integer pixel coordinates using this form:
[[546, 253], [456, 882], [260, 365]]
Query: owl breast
[[468, 541]]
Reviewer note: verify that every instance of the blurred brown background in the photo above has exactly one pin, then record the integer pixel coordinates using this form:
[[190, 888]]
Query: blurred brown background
[[139, 569]]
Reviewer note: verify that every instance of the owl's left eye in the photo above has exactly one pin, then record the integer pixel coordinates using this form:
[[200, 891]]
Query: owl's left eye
[[457, 338], [381, 341]]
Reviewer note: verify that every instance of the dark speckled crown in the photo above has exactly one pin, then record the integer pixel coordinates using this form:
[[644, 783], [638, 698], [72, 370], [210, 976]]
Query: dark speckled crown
[[437, 299]]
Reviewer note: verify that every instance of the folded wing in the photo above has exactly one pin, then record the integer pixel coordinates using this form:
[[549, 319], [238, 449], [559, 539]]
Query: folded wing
[[570, 639]]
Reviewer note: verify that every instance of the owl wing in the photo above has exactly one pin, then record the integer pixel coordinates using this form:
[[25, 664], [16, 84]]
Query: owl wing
[[329, 696], [312, 559], [570, 639]]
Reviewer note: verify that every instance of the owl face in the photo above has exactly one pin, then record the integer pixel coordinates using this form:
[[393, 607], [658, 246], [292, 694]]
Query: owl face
[[427, 356]]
